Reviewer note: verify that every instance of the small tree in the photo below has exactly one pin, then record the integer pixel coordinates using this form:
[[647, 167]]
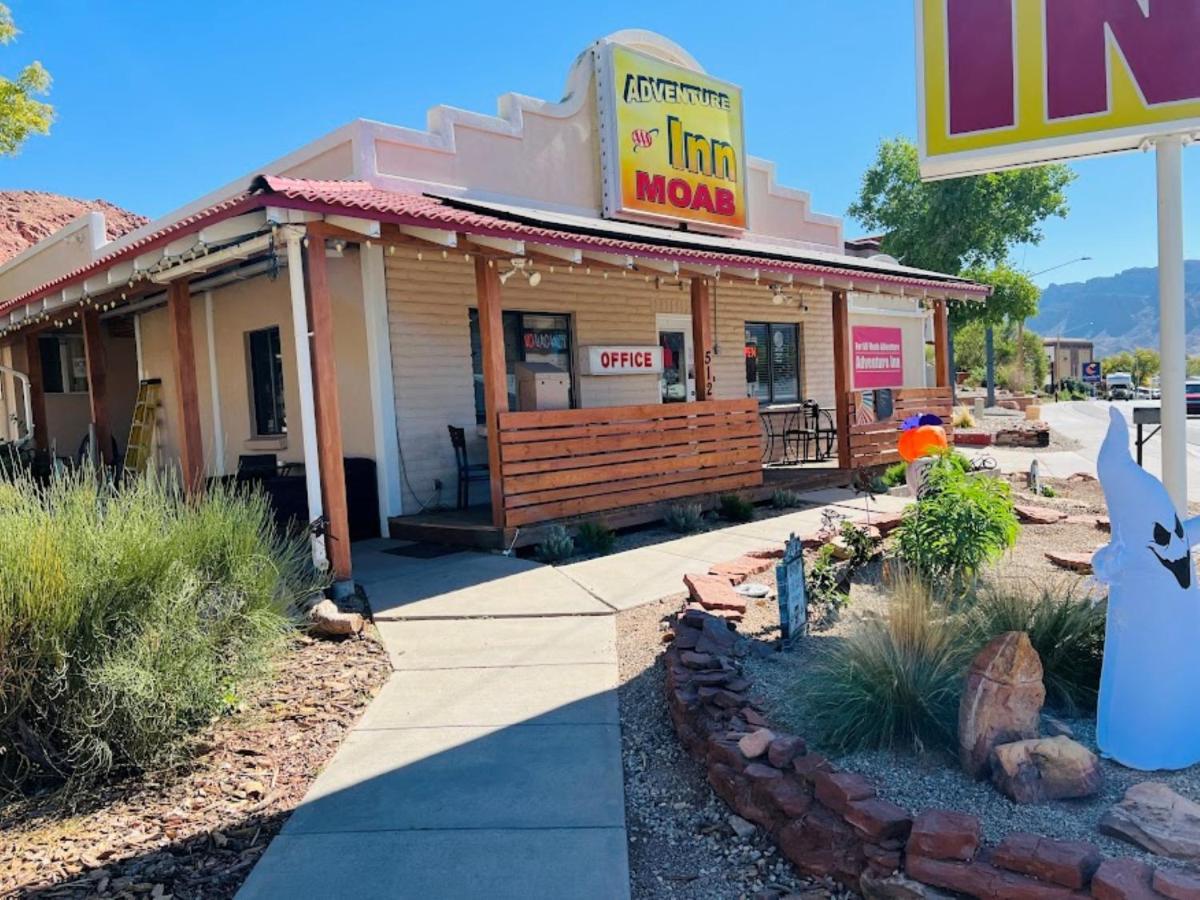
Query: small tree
[[1117, 362], [20, 113], [1146, 364]]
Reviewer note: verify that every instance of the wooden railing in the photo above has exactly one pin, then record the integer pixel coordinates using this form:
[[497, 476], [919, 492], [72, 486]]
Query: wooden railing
[[573, 462], [873, 443]]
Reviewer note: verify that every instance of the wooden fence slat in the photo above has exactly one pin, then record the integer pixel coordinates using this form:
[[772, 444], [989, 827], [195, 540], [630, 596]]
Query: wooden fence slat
[[521, 486], [533, 466], [516, 421], [603, 429], [614, 443]]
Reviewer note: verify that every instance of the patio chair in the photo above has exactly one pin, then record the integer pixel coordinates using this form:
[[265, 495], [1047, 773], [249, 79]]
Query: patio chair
[[467, 471]]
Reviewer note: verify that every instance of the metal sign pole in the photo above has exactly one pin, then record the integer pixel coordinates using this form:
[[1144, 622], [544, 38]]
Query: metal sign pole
[[1172, 329]]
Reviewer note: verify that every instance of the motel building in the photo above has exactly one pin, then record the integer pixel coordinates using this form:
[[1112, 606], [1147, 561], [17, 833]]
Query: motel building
[[603, 300]]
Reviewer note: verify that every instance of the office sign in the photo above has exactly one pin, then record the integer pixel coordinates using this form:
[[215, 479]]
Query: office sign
[[878, 355], [1005, 83], [623, 360], [671, 142]]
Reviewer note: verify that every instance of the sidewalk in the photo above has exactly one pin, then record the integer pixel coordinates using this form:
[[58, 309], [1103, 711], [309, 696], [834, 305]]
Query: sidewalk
[[490, 763]]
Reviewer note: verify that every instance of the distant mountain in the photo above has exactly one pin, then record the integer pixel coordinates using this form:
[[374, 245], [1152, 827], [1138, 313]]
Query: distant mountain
[[1118, 312]]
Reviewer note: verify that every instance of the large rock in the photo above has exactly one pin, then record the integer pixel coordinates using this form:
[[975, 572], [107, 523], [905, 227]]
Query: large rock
[[1002, 700], [1044, 769], [1155, 818]]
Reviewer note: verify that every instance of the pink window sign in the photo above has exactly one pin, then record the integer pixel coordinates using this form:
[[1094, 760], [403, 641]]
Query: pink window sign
[[877, 357]]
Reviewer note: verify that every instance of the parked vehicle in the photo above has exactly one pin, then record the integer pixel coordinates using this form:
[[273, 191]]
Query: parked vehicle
[[1192, 390], [1119, 386]]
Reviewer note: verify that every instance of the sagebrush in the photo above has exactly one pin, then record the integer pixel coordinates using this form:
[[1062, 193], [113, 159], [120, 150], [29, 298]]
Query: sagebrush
[[130, 617], [685, 518], [556, 546], [596, 537], [736, 508]]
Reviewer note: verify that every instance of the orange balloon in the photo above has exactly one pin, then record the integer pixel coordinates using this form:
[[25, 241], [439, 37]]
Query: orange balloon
[[921, 441]]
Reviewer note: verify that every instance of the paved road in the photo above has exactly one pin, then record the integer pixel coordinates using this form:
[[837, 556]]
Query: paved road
[[1086, 421]]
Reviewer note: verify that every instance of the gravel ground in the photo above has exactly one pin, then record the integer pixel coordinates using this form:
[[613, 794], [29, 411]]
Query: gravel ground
[[935, 780], [681, 843]]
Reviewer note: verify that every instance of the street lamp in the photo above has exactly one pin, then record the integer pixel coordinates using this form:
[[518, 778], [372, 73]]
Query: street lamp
[[990, 344]]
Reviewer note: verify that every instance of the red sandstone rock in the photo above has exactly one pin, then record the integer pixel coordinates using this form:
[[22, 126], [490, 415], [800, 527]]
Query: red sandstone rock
[[1123, 879], [1038, 515], [756, 743], [1069, 863], [822, 844], [746, 566], [810, 765], [878, 819], [1176, 884], [1072, 562], [694, 660], [1155, 818], [771, 553], [944, 834], [1002, 700], [788, 796], [885, 523], [837, 789], [979, 879], [884, 862], [759, 772], [721, 751], [784, 749], [714, 592], [27, 217], [754, 717], [1045, 769]]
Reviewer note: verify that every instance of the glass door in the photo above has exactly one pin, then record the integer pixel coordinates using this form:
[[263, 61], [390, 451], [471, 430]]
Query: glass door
[[677, 384]]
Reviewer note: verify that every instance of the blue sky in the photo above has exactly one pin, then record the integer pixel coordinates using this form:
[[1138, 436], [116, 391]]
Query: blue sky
[[159, 102]]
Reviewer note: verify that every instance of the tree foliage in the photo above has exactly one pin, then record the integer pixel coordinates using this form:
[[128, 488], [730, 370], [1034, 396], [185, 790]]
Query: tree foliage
[[1014, 296], [969, 354], [951, 225], [21, 113], [1142, 363]]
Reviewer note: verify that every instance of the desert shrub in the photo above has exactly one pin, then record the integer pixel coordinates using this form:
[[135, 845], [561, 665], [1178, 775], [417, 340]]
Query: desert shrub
[[736, 508], [962, 521], [962, 417], [596, 537], [823, 587], [1065, 626], [893, 682], [1048, 491], [685, 518], [896, 474], [859, 542], [131, 617], [556, 546], [785, 499]]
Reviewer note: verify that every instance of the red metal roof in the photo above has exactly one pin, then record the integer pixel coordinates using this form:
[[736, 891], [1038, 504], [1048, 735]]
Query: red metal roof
[[365, 200]]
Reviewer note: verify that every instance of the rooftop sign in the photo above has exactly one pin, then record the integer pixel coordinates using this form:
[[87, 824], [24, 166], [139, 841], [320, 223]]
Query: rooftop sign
[[671, 142], [1004, 83]]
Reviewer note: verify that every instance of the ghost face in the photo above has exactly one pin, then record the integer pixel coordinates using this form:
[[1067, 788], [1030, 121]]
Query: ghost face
[[1171, 550]]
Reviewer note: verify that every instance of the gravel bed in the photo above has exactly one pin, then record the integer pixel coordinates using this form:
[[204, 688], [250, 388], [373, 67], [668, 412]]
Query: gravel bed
[[681, 843], [935, 780]]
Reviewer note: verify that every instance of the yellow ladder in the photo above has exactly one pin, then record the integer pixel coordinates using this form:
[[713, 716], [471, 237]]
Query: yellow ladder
[[141, 430]]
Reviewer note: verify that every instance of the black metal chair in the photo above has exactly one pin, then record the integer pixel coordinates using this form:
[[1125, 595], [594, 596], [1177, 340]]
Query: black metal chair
[[467, 471]]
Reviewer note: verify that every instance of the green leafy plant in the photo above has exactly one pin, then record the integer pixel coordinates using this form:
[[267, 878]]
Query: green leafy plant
[[596, 537], [896, 474], [736, 508], [861, 544], [1065, 626], [129, 617], [685, 518], [1048, 491], [823, 586], [556, 546], [961, 522], [894, 682], [785, 499]]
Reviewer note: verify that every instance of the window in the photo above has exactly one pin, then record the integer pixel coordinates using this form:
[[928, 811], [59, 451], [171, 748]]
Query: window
[[64, 366], [266, 382], [773, 362], [528, 337]]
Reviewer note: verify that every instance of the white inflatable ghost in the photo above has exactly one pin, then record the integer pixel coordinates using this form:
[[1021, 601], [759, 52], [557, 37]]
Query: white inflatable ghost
[[1149, 709]]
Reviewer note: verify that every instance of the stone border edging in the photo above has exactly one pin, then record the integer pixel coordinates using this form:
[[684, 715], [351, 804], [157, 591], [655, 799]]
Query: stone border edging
[[830, 823]]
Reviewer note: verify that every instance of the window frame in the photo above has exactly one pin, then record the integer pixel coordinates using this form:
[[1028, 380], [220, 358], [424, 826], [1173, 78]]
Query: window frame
[[771, 399], [277, 388], [518, 316]]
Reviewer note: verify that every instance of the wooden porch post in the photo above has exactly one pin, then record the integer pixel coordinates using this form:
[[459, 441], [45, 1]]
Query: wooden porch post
[[702, 337], [37, 390], [327, 407], [841, 375], [183, 358], [97, 376], [941, 344], [495, 372]]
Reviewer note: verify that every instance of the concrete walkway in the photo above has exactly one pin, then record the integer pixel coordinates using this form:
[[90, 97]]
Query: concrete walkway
[[490, 763]]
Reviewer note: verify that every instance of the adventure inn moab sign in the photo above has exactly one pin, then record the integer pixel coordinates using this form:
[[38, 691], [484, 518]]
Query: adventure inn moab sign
[[671, 142]]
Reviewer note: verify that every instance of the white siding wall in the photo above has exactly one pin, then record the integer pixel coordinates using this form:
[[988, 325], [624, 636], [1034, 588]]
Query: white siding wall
[[428, 303]]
